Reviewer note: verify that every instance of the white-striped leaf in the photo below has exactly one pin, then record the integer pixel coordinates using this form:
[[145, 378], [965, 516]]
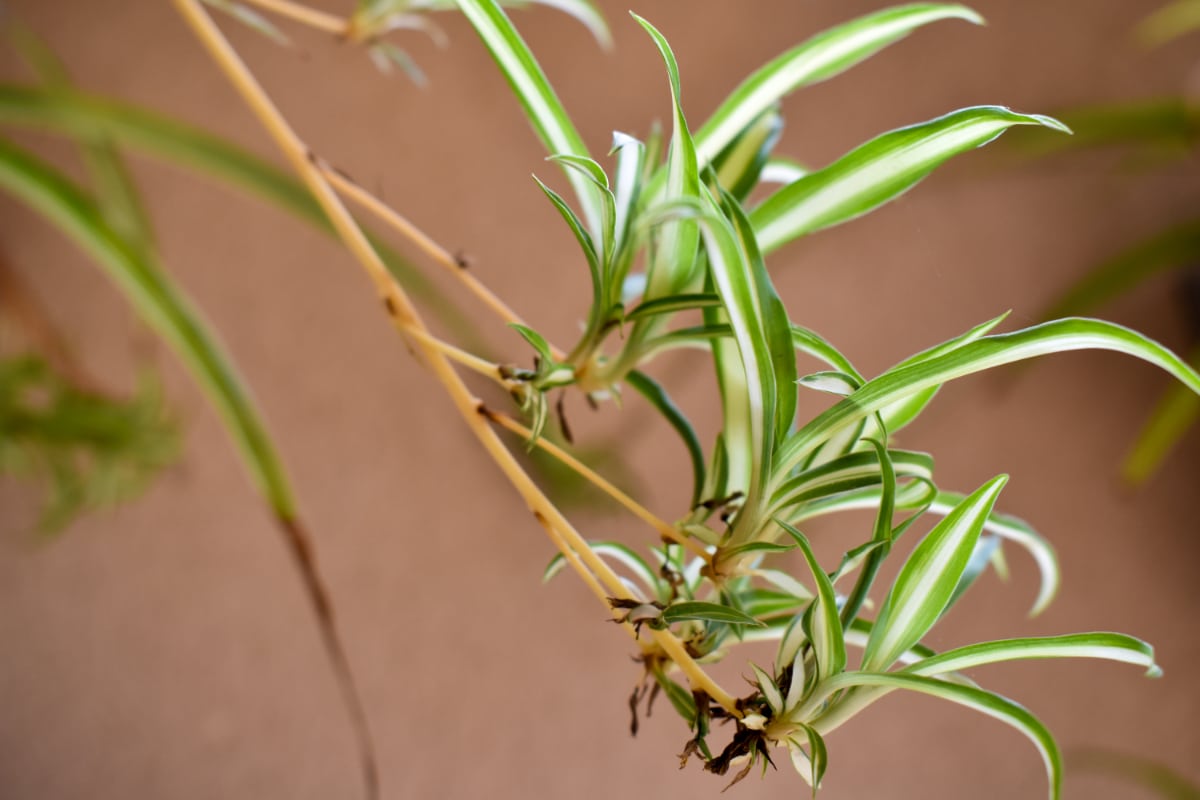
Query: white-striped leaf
[[977, 356], [1015, 530], [928, 579], [1108, 646], [878, 171], [542, 106], [620, 554], [825, 625], [769, 690], [821, 57], [985, 702]]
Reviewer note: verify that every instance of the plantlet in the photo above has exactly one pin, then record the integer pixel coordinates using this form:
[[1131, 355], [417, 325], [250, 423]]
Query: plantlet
[[674, 239]]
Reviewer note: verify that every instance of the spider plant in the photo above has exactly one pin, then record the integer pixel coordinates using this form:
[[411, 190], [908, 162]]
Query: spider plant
[[675, 239]]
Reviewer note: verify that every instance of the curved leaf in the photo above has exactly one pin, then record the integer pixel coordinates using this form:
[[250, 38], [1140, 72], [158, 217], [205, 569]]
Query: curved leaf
[[982, 354], [878, 171], [926, 583], [1109, 646]]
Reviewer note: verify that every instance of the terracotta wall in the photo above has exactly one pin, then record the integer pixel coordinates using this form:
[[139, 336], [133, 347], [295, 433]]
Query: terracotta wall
[[165, 650]]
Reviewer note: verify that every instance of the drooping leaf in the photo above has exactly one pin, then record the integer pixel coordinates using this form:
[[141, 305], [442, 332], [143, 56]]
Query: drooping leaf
[[90, 116], [1176, 412], [989, 703], [648, 388], [1108, 646], [977, 356], [161, 305]]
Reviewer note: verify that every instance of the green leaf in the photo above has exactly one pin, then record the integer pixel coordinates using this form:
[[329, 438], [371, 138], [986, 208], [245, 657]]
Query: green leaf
[[812, 343], [161, 305], [535, 339], [627, 188], [879, 171], [927, 582], [782, 170], [1173, 248], [825, 626], [1174, 415], [542, 106], [675, 303], [848, 472], [821, 57], [681, 699], [1017, 531], [762, 548], [1169, 22], [977, 356], [116, 194], [89, 116], [586, 244], [707, 612], [1109, 646], [769, 690], [899, 414], [985, 702], [739, 165], [672, 262], [811, 765], [648, 388]]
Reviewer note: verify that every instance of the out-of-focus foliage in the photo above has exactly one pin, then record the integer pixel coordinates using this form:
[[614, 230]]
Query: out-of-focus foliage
[[87, 449]]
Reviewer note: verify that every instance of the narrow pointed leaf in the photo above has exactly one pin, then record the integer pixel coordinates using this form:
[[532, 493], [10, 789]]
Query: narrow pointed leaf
[[707, 612], [982, 354], [1108, 646], [671, 268], [1176, 412], [542, 106], [161, 305], [648, 388], [675, 303], [823, 56], [878, 171], [619, 554], [770, 691], [927, 582], [989, 703], [826, 626], [85, 115], [1018, 531]]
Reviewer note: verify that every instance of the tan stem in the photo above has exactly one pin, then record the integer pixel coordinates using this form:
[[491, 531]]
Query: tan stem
[[438, 254], [400, 307], [306, 15]]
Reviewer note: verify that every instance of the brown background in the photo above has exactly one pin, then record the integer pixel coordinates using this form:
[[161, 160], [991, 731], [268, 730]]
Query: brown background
[[164, 650]]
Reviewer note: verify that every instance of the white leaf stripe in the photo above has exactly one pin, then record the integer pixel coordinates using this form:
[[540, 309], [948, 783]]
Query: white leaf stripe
[[1107, 646], [537, 97], [983, 354], [927, 580], [989, 703], [819, 58], [1018, 531], [878, 171]]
